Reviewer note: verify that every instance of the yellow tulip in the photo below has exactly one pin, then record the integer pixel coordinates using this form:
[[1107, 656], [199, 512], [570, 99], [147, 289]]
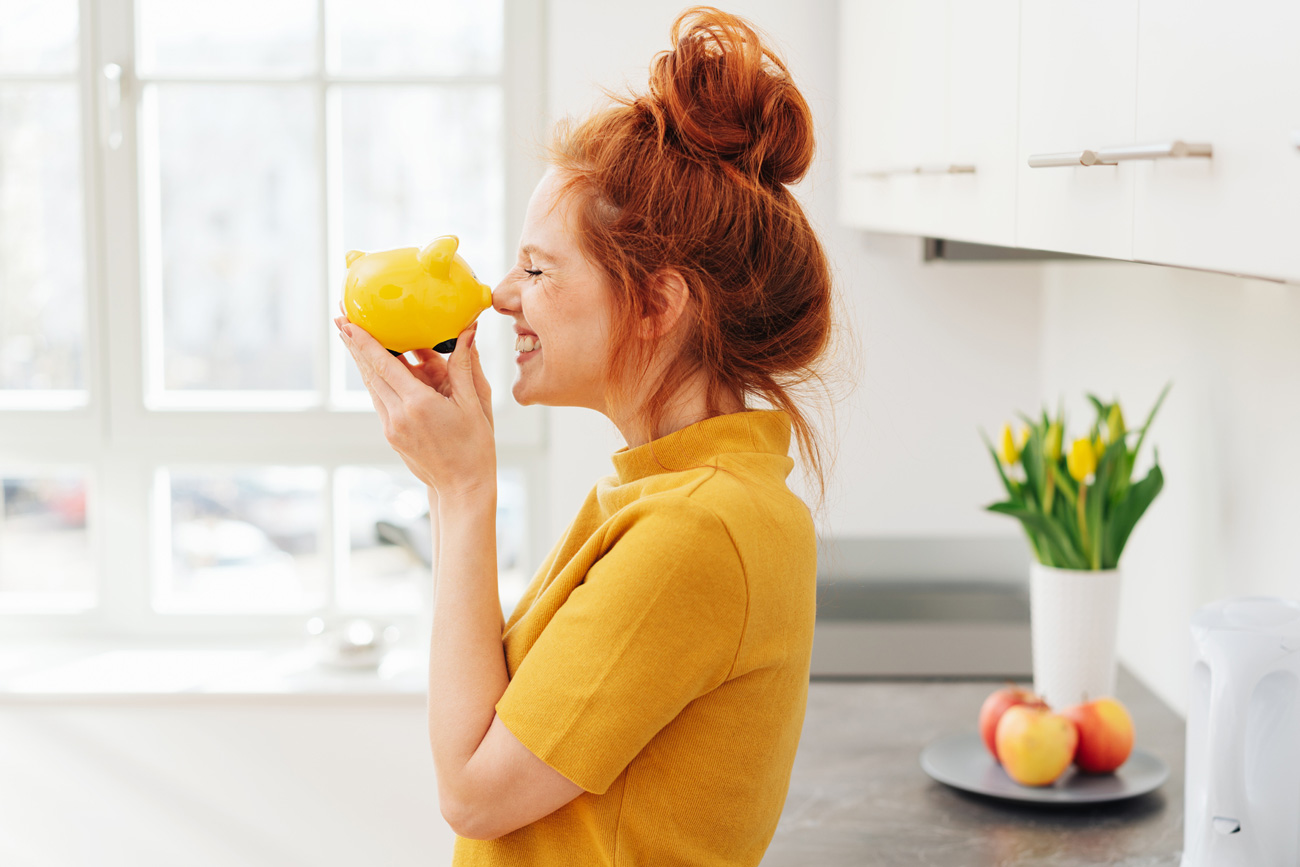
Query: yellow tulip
[[1053, 444], [1010, 453], [1115, 423], [1082, 460]]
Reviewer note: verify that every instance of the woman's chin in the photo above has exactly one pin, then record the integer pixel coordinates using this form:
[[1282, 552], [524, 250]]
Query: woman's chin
[[522, 394]]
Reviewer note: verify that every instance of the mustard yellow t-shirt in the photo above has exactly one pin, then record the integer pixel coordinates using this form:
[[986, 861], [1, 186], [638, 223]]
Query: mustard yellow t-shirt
[[660, 656]]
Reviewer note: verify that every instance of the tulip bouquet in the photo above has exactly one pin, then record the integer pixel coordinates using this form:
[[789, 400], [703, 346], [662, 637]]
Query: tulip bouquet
[[1077, 508]]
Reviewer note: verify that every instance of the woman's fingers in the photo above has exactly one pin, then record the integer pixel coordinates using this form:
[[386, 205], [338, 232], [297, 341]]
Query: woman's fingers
[[481, 385], [372, 360], [431, 369]]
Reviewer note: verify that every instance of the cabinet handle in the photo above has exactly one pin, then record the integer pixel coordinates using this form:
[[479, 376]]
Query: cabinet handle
[[929, 169], [1111, 156], [1162, 150], [1069, 158]]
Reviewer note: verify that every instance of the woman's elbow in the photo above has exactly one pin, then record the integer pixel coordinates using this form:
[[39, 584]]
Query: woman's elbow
[[468, 822]]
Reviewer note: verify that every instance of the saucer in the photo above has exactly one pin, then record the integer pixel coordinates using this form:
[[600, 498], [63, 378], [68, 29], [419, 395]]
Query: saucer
[[962, 761]]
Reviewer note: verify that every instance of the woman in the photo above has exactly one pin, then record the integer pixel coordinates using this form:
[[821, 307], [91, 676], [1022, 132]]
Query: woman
[[644, 702]]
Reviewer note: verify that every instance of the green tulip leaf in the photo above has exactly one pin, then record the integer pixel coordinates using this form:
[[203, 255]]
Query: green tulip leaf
[[1130, 509], [1102, 408], [1052, 533], [1151, 417], [1094, 508]]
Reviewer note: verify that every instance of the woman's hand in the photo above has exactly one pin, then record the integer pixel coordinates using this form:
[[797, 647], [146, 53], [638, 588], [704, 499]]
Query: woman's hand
[[436, 413]]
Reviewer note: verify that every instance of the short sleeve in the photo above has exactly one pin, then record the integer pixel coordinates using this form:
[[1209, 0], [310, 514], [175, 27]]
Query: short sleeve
[[656, 623]]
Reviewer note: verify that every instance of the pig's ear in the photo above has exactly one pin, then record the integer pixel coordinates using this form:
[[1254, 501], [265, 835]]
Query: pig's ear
[[354, 255], [436, 258]]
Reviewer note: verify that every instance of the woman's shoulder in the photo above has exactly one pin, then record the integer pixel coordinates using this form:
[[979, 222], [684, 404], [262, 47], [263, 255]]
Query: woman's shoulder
[[749, 511]]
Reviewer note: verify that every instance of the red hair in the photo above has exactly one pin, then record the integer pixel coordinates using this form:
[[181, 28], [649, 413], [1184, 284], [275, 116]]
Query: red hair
[[691, 177]]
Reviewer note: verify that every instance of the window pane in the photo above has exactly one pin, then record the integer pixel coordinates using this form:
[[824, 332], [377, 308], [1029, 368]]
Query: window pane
[[45, 557], [512, 534], [419, 162], [438, 37], [42, 271], [38, 35], [246, 541], [390, 542], [238, 235], [232, 36]]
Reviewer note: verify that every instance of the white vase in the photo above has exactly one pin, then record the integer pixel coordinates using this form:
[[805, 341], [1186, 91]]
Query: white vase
[[1073, 624]]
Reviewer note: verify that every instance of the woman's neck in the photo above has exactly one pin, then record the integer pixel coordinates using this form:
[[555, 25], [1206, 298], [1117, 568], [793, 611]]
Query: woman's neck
[[686, 407]]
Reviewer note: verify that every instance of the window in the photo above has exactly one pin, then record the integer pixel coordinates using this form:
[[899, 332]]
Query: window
[[185, 448]]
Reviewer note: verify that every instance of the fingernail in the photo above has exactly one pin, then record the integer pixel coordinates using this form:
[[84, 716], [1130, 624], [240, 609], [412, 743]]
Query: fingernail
[[469, 341], [347, 329]]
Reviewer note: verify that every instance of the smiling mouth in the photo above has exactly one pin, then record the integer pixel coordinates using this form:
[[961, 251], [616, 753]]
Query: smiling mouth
[[525, 343]]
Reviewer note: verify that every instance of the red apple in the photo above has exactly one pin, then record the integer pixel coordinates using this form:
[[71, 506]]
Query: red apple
[[996, 705], [1105, 734], [1036, 745]]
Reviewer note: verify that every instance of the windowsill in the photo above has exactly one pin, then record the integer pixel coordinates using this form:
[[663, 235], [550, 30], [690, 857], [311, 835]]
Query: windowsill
[[79, 672]]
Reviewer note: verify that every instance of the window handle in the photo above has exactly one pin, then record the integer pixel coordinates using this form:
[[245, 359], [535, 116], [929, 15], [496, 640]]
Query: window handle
[[111, 80]]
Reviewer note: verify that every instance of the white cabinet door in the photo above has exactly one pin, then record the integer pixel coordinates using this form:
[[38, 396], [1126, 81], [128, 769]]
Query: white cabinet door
[[928, 96], [982, 69], [1227, 75], [893, 78], [1078, 81]]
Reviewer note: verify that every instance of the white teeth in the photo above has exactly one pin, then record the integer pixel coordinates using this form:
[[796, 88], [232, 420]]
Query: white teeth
[[526, 343]]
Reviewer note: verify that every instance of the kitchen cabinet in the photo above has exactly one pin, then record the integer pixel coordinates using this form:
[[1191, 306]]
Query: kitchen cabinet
[[1078, 75], [929, 117], [1227, 75], [1066, 147]]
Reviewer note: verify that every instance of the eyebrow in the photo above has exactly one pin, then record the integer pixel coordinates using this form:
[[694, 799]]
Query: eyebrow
[[531, 249]]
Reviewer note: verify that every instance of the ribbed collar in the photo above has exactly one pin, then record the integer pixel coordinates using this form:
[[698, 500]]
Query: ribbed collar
[[758, 430]]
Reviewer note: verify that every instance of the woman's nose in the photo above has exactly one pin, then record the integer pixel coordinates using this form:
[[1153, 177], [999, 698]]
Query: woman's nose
[[505, 297]]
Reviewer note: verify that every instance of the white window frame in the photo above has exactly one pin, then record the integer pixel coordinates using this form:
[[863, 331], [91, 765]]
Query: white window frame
[[121, 443]]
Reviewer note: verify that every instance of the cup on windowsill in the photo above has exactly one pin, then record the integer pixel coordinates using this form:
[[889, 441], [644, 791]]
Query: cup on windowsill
[[351, 643]]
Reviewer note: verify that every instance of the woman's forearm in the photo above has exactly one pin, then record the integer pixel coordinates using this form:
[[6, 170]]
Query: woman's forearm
[[467, 666]]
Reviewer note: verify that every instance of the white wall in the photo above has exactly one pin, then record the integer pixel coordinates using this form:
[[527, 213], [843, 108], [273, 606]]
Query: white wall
[[1225, 523], [945, 347]]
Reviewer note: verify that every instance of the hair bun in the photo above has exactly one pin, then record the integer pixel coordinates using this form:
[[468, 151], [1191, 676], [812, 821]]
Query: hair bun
[[725, 95]]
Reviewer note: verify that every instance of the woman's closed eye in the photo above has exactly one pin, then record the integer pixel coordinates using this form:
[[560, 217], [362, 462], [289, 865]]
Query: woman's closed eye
[[531, 273]]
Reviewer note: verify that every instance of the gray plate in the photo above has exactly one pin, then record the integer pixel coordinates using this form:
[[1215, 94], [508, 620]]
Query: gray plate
[[961, 760]]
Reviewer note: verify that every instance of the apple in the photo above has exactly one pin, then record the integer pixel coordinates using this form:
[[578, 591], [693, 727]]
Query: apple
[[997, 704], [1035, 744], [1105, 734]]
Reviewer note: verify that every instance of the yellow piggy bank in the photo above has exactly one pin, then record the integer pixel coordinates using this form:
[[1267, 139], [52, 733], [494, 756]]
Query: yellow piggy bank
[[411, 298]]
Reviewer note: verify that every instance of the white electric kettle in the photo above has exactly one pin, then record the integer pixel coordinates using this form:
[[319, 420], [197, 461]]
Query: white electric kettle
[[1242, 806]]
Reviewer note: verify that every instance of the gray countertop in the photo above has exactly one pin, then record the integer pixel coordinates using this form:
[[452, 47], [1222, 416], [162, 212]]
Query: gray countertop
[[858, 795]]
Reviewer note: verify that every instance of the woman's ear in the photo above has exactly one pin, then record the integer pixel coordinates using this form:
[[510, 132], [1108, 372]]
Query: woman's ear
[[670, 297]]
